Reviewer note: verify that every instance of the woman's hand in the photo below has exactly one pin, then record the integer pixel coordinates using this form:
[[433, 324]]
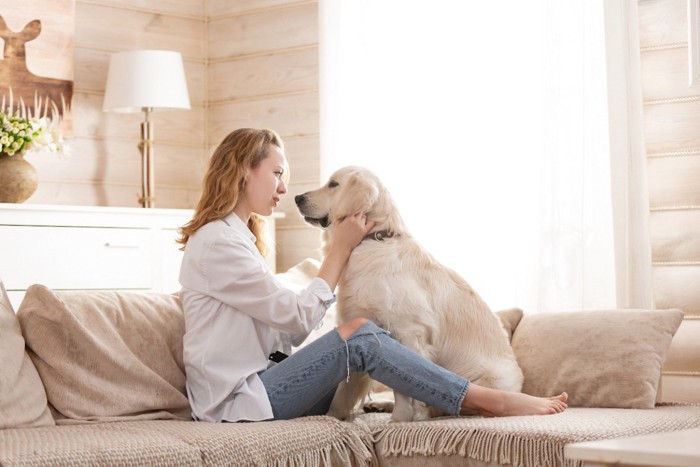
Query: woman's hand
[[347, 234], [350, 231]]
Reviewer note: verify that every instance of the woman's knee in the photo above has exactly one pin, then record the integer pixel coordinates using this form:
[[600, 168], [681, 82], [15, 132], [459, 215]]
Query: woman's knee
[[346, 330]]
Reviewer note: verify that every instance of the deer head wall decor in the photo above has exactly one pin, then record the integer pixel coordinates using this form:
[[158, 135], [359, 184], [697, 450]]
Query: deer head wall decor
[[20, 86]]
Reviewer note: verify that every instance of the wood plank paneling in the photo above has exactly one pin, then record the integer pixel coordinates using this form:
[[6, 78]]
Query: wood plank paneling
[[227, 7], [684, 353], [97, 160], [673, 181], [104, 27], [263, 32], [297, 244], [662, 22], [665, 74], [193, 8], [288, 115], [672, 127], [680, 389], [677, 287], [303, 155], [93, 194], [674, 235], [264, 75]]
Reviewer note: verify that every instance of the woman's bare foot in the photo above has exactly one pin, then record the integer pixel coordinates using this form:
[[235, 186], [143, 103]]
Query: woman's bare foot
[[497, 403]]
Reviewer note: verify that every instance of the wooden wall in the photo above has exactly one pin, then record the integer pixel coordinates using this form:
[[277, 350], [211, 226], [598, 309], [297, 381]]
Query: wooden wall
[[672, 135], [248, 63]]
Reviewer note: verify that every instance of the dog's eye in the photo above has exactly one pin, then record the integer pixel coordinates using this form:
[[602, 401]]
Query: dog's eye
[[332, 184]]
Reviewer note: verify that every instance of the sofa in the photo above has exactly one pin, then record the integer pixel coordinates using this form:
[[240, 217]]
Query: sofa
[[96, 378]]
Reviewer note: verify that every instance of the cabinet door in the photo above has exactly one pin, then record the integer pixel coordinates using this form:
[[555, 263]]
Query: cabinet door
[[75, 257]]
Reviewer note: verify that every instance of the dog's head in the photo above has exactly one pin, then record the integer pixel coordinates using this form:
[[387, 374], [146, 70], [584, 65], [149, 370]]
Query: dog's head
[[349, 191]]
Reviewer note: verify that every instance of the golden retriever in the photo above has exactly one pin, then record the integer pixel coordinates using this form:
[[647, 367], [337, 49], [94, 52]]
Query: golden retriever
[[393, 281]]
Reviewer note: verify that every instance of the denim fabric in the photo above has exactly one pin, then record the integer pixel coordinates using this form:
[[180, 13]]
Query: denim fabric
[[304, 383]]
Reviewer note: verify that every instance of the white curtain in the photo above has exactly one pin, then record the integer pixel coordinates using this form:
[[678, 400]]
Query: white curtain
[[488, 122]]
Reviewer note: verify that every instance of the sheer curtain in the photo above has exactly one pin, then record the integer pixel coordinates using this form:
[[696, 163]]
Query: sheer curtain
[[488, 122]]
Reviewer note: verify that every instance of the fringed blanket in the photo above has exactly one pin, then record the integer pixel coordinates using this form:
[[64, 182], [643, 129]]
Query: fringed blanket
[[310, 441], [518, 441]]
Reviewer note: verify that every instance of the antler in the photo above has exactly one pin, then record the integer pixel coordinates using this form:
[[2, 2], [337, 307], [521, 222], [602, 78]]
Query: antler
[[3, 27]]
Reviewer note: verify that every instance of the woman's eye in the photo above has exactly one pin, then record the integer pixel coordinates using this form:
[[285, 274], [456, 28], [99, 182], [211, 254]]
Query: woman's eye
[[332, 184], [278, 174]]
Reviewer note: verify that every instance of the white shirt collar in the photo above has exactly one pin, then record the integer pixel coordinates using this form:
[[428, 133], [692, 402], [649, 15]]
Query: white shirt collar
[[232, 220]]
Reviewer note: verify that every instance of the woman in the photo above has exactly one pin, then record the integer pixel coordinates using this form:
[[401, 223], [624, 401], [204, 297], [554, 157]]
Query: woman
[[238, 316]]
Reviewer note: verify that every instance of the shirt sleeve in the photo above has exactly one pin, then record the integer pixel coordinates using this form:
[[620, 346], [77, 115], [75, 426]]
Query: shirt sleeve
[[240, 278]]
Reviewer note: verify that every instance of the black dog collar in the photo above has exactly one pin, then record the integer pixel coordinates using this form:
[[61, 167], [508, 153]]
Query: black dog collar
[[380, 235]]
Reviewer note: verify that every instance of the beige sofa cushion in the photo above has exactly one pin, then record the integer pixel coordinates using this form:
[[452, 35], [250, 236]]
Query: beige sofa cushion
[[106, 355], [600, 358], [22, 396]]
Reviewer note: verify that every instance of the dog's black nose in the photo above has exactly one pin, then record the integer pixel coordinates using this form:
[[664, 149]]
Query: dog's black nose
[[299, 199]]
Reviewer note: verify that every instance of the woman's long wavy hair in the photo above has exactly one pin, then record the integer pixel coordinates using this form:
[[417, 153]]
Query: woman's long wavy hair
[[225, 181]]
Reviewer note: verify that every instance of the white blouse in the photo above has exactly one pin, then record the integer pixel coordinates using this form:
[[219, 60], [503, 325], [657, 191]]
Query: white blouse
[[236, 314]]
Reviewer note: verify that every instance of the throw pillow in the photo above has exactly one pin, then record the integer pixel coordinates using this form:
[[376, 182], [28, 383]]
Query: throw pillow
[[22, 396], [600, 358], [510, 319], [107, 355]]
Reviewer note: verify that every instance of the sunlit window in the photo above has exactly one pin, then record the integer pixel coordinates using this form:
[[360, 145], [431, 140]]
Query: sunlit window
[[487, 121]]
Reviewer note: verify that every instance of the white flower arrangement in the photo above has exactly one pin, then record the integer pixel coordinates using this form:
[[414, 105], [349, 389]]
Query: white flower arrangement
[[23, 133], [17, 133]]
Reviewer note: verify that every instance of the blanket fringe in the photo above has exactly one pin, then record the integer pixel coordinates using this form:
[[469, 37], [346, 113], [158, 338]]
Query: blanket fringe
[[351, 450], [479, 444]]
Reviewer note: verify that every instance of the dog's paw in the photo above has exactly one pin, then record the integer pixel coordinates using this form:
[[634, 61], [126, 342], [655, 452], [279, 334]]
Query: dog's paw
[[421, 412], [384, 406], [379, 402]]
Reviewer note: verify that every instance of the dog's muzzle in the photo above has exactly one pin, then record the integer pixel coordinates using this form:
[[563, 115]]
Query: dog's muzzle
[[301, 203], [322, 222]]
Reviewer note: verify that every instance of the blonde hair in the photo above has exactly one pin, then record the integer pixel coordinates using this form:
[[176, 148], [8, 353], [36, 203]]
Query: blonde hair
[[224, 181]]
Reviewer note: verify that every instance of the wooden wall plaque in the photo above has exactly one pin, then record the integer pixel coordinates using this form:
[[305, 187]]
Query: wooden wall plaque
[[38, 63]]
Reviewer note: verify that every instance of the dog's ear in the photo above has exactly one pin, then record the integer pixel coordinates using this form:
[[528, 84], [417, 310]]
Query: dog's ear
[[358, 196]]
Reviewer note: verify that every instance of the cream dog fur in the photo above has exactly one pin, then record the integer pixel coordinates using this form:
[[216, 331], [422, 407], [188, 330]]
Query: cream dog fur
[[396, 283]]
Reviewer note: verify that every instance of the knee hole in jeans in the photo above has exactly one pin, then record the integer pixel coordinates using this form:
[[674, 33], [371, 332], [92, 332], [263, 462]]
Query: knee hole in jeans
[[346, 330]]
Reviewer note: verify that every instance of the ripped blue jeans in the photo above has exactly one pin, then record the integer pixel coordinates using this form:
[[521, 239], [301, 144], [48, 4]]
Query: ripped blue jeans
[[305, 383]]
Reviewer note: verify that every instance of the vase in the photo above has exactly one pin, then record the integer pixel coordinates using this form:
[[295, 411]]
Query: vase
[[18, 178]]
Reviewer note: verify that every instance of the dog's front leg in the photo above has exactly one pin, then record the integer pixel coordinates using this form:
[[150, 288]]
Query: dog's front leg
[[403, 408], [349, 395]]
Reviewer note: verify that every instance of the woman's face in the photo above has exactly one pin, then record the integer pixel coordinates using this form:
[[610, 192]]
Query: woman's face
[[264, 184]]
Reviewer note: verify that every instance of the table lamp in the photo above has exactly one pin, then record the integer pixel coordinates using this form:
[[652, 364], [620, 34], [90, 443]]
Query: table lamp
[[145, 81]]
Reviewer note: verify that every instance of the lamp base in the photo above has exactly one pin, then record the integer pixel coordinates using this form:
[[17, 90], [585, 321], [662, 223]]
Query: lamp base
[[147, 199], [149, 202]]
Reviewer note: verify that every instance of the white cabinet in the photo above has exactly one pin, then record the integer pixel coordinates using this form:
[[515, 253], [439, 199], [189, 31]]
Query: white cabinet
[[81, 247]]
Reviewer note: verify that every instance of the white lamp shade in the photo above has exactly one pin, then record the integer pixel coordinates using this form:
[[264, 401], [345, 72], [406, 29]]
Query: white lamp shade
[[141, 79]]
